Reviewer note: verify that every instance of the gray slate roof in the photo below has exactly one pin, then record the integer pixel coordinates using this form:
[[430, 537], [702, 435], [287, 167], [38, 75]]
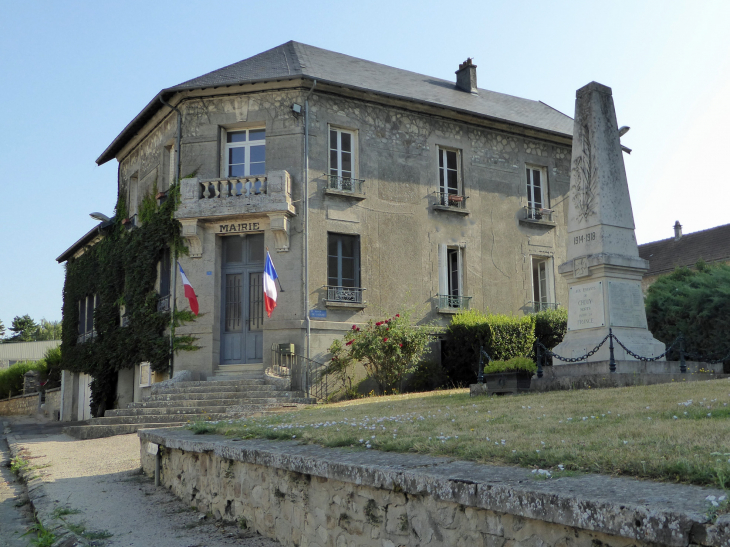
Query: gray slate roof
[[712, 245], [296, 60]]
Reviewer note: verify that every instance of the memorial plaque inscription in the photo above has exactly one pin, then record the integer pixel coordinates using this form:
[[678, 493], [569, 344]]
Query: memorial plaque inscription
[[626, 305], [586, 306]]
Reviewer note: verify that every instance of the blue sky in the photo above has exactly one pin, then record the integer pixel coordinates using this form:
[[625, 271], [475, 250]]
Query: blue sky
[[74, 73]]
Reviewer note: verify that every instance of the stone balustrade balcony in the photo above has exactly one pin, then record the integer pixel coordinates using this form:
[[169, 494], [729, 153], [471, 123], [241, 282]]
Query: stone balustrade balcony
[[212, 198]]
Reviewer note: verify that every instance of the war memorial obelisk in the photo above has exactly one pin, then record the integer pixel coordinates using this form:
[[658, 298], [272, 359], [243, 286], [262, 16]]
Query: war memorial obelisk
[[603, 267]]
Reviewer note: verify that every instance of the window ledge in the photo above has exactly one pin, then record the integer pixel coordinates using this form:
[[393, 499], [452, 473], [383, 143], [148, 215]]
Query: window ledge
[[530, 222], [350, 305], [449, 209], [449, 311], [344, 194]]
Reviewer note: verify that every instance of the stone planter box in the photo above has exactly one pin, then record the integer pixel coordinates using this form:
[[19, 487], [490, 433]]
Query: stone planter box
[[501, 383]]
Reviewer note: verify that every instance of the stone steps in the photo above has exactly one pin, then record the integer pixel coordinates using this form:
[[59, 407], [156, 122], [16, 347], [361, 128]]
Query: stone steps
[[220, 402], [253, 395], [244, 393]]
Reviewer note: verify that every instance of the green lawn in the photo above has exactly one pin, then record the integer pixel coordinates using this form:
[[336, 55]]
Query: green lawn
[[672, 432]]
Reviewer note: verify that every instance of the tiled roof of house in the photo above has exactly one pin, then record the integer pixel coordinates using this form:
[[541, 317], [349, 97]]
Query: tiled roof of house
[[296, 60], [711, 245]]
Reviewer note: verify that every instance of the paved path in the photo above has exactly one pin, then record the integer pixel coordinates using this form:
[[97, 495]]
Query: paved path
[[101, 479], [15, 513]]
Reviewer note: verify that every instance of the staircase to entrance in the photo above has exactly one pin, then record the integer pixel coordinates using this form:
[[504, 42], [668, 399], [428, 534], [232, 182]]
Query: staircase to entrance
[[234, 391]]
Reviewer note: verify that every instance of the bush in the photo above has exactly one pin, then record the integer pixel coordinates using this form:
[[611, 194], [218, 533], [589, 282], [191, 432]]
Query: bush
[[516, 364], [502, 336], [551, 326], [388, 350], [11, 379], [695, 303], [428, 376]]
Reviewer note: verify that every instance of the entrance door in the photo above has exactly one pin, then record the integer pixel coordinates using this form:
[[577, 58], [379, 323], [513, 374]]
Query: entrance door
[[242, 299]]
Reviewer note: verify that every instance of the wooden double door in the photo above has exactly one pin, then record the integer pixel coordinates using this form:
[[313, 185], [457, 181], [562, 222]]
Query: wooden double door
[[242, 297]]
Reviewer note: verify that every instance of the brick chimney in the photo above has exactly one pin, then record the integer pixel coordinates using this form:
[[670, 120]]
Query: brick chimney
[[677, 231], [466, 76]]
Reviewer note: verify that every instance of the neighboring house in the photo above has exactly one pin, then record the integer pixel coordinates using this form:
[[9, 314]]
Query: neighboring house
[[375, 189], [664, 256], [16, 352]]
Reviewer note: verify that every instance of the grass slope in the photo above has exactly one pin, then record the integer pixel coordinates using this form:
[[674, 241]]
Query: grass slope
[[672, 432]]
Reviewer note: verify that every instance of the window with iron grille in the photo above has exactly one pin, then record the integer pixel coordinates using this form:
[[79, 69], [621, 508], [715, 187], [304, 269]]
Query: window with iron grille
[[343, 268], [537, 194], [450, 186], [87, 306]]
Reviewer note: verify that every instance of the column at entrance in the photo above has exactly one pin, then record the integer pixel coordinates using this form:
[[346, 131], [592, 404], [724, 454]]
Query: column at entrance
[[242, 299]]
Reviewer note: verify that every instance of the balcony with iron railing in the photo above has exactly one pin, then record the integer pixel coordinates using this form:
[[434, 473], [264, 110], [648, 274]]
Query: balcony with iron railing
[[206, 198], [451, 202], [543, 306], [452, 304], [86, 336], [345, 186], [537, 215], [344, 296]]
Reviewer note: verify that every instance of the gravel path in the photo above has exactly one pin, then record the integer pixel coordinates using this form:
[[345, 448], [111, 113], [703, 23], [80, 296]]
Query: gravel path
[[99, 481]]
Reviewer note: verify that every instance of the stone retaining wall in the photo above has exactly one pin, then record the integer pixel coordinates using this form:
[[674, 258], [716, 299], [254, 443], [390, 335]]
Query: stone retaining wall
[[22, 405], [28, 405], [309, 495]]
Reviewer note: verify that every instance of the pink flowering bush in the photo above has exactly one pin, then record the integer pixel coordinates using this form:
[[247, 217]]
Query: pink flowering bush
[[388, 350]]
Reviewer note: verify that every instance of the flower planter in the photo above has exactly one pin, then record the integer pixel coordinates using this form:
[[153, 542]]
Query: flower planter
[[456, 199], [501, 383]]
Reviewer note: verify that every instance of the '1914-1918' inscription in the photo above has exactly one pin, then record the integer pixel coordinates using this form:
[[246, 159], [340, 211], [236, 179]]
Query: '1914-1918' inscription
[[584, 238]]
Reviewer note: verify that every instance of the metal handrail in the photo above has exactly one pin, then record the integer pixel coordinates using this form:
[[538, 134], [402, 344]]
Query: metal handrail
[[448, 199], [452, 302], [352, 295], [538, 213], [345, 184], [304, 374], [542, 306]]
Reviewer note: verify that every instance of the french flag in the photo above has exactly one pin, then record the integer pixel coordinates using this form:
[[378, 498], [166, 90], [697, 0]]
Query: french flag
[[269, 285], [189, 292]]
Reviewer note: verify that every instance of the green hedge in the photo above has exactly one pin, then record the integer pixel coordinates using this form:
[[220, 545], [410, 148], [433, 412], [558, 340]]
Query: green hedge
[[551, 326], [502, 336], [11, 378]]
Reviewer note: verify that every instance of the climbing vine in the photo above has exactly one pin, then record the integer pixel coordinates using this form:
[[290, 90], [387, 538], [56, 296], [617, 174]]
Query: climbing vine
[[121, 270]]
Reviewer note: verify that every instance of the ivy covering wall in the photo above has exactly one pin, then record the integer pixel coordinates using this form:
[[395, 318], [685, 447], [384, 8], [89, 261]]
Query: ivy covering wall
[[121, 270]]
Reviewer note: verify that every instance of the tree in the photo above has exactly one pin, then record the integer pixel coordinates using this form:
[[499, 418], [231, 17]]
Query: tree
[[2, 331], [49, 330], [695, 303], [25, 329], [388, 350]]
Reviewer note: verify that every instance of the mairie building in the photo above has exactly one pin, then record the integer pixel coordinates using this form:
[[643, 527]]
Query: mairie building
[[375, 190]]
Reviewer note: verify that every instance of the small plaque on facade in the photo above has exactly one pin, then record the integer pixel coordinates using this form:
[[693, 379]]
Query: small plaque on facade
[[585, 309], [318, 314], [626, 305], [238, 227], [580, 267], [152, 448]]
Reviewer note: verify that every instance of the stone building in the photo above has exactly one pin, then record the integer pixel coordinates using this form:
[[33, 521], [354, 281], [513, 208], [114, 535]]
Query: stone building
[[684, 250], [375, 190]]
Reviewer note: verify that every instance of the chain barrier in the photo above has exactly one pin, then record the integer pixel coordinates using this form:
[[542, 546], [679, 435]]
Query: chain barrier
[[549, 353], [646, 359], [540, 355]]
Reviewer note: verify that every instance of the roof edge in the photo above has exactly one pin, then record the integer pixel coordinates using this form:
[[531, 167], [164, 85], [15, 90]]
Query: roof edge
[[83, 240]]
